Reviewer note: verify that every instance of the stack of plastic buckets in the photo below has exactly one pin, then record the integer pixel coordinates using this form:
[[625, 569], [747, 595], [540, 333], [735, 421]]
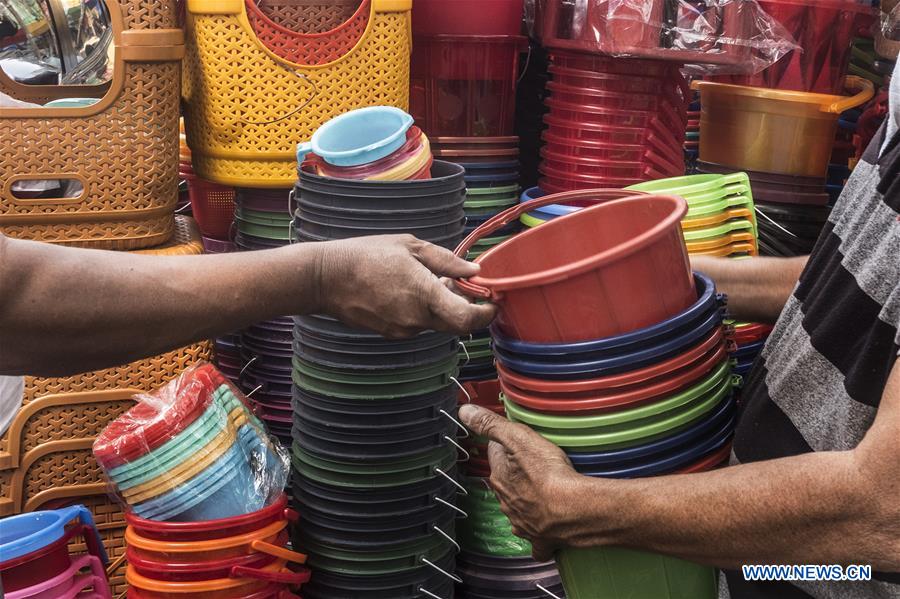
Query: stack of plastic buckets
[[375, 451], [611, 122], [493, 562], [242, 556], [643, 390], [35, 562], [492, 185], [193, 452]]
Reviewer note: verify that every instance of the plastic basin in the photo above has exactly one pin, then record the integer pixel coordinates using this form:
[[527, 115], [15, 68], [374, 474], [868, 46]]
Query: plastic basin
[[359, 136], [618, 256], [758, 128]]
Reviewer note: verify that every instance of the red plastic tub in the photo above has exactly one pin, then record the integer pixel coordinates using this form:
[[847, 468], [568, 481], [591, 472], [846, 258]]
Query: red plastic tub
[[667, 119], [556, 184], [661, 140], [824, 29], [211, 529], [654, 101], [670, 82], [601, 271], [465, 85], [621, 153], [586, 61], [467, 17], [653, 166]]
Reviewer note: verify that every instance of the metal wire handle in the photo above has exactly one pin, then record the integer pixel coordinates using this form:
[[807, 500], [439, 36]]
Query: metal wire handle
[[315, 92], [437, 529], [464, 430], [258, 387], [459, 447], [452, 480], [429, 593], [466, 351], [442, 501], [461, 388], [547, 591], [452, 577], [766, 216], [252, 360]]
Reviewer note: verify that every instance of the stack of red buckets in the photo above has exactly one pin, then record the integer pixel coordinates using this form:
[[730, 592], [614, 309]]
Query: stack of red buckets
[[612, 122]]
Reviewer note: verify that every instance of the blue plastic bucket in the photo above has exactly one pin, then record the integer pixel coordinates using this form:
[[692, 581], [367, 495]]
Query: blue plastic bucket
[[26, 533], [359, 136]]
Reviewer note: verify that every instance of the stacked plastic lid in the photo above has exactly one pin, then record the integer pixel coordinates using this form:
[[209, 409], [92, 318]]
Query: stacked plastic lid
[[493, 561], [35, 560], [374, 431], [242, 556], [611, 122], [642, 387], [692, 133], [192, 451]]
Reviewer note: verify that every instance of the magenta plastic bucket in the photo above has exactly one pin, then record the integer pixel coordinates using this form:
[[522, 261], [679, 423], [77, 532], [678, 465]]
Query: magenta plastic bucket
[[622, 267]]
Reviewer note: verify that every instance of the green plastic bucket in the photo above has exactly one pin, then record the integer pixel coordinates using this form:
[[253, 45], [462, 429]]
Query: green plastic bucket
[[618, 573]]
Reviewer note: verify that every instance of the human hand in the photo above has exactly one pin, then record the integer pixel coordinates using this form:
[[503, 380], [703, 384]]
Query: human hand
[[534, 480], [390, 284]]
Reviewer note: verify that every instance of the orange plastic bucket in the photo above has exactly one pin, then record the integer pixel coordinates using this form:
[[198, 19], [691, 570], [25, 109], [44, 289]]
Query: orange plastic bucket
[[601, 271]]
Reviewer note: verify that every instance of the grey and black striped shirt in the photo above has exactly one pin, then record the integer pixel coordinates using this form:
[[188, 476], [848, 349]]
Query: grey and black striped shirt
[[820, 378]]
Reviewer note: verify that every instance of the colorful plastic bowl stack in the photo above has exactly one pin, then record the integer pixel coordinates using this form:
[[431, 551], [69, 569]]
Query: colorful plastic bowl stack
[[192, 451], [612, 122], [641, 388], [35, 561], [692, 133], [493, 562], [243, 556], [374, 427], [262, 218]]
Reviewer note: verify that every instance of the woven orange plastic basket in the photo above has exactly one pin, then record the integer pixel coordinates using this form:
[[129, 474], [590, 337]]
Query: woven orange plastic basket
[[123, 150]]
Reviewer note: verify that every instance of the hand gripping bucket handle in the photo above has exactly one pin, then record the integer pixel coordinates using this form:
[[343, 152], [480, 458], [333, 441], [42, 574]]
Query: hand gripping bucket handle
[[511, 214]]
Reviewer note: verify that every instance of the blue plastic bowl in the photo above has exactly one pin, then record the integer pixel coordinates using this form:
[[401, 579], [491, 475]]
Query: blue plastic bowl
[[749, 351], [676, 460], [707, 302], [25, 533], [705, 427], [359, 137], [603, 364], [545, 212]]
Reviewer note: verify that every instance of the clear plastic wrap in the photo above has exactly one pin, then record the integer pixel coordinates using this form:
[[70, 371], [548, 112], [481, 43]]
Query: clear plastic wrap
[[711, 36], [887, 35], [192, 451]]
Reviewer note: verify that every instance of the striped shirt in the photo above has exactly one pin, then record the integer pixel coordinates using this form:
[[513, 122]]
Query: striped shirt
[[821, 375]]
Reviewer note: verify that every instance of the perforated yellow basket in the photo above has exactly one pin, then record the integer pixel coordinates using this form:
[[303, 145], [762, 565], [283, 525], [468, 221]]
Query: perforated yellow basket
[[248, 108]]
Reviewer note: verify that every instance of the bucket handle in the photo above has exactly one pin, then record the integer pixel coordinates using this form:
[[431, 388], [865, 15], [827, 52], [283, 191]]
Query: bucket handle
[[88, 530], [547, 591], [283, 576], [502, 219], [866, 91], [279, 552]]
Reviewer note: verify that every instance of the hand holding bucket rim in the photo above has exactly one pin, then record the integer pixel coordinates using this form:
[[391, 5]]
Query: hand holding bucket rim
[[482, 287]]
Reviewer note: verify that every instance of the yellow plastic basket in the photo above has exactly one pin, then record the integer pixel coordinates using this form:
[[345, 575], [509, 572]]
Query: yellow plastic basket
[[248, 108]]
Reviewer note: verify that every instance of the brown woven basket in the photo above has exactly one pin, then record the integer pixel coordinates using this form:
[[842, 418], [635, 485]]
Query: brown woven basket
[[123, 149]]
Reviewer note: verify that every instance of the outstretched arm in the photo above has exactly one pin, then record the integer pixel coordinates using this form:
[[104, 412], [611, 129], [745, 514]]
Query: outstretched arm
[[67, 310], [826, 507], [757, 288]]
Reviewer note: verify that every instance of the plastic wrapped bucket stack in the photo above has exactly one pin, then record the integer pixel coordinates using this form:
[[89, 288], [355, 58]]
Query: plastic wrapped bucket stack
[[203, 484], [645, 390], [374, 453], [612, 122]]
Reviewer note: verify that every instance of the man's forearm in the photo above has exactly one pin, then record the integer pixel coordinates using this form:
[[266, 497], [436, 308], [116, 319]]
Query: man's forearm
[[815, 508], [129, 306], [757, 288]]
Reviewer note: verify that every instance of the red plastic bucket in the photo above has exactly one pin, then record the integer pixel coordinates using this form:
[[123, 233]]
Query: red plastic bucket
[[616, 66], [654, 166], [656, 101], [601, 271], [606, 151], [556, 183], [636, 82], [467, 17], [48, 561], [211, 529], [664, 120]]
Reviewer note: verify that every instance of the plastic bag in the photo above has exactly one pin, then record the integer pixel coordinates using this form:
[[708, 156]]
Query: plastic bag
[[710, 36], [192, 451], [887, 35]]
